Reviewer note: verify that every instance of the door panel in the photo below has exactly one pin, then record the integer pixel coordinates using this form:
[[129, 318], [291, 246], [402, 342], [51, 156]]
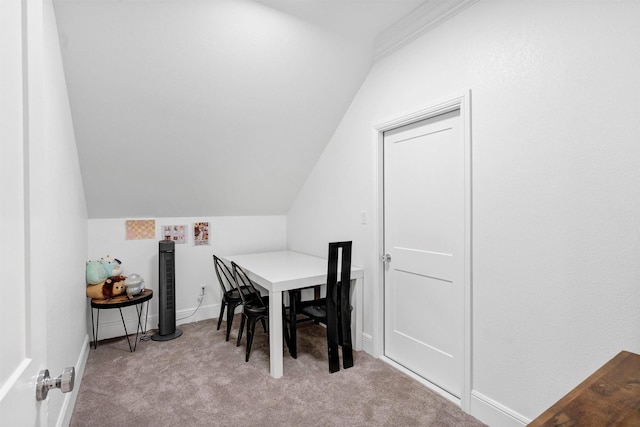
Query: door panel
[[426, 332], [424, 197], [22, 353]]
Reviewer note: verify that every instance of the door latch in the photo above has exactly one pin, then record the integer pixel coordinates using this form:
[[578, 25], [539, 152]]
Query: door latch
[[386, 258], [45, 383]]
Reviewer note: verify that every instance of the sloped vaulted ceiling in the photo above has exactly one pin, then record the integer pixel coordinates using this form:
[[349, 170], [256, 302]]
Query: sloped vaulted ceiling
[[204, 108]]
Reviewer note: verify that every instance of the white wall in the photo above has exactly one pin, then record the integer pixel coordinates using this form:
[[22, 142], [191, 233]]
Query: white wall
[[58, 223], [556, 234], [194, 264]]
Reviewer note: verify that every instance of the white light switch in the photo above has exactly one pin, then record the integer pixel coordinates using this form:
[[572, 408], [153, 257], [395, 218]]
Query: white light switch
[[363, 217]]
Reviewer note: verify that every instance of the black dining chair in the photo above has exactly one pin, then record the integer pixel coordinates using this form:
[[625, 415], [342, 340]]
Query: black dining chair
[[334, 310], [255, 307], [230, 295]]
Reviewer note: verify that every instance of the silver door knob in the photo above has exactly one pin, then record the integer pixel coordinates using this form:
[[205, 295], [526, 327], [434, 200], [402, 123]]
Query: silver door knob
[[386, 258], [45, 383]]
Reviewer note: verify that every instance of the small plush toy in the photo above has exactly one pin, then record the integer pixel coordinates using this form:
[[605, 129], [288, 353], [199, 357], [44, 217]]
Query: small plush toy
[[96, 273], [117, 268], [134, 284], [110, 288], [112, 266]]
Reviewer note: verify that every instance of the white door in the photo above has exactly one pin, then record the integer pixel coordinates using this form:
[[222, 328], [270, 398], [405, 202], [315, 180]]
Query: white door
[[23, 348], [424, 234]]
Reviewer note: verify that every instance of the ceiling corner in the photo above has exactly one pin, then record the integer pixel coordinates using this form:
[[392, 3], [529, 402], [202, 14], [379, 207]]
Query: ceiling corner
[[422, 19]]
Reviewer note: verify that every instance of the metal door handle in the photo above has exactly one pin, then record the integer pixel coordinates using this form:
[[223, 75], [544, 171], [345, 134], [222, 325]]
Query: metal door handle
[[386, 258], [45, 383]]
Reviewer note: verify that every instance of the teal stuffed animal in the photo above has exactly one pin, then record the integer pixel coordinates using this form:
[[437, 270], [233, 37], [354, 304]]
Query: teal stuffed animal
[[96, 273]]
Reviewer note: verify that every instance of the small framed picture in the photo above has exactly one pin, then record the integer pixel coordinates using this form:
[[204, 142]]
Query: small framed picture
[[175, 233], [139, 229], [200, 233]]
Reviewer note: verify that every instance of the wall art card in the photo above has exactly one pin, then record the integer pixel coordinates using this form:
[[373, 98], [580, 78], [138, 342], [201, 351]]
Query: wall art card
[[175, 233], [200, 233], [139, 229]]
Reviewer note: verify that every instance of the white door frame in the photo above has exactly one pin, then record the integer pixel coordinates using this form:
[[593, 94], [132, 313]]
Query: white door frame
[[463, 103]]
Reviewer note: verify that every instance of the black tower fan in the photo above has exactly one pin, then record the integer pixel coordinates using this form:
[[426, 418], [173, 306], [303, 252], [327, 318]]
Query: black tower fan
[[167, 284]]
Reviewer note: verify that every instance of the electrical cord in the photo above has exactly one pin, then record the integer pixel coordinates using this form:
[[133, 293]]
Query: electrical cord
[[194, 311], [147, 336]]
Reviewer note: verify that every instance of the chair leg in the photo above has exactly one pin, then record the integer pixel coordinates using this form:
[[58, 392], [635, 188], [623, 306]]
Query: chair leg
[[285, 327], [231, 308], [345, 325], [332, 332], [334, 357], [293, 334], [242, 321], [222, 305], [251, 328]]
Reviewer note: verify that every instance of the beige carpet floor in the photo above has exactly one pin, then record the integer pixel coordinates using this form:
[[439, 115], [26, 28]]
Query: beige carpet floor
[[199, 379]]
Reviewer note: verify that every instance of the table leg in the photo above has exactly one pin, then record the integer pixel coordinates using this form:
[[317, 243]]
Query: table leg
[[139, 326], [146, 317], [275, 333], [125, 330], [94, 329]]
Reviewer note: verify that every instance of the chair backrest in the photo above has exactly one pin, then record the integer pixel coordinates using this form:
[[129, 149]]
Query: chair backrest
[[245, 287], [225, 276], [335, 261], [339, 306]]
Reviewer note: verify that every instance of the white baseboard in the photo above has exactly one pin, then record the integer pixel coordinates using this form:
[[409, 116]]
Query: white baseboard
[[64, 417], [481, 407], [493, 413], [367, 344], [203, 313], [111, 326]]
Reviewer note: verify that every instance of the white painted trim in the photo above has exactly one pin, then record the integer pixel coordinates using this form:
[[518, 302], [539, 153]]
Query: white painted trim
[[378, 273], [437, 108], [367, 344], [493, 413], [465, 111], [424, 18], [463, 103], [64, 417]]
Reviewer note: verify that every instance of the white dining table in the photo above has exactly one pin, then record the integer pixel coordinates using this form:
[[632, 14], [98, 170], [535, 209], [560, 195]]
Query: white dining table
[[277, 272]]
